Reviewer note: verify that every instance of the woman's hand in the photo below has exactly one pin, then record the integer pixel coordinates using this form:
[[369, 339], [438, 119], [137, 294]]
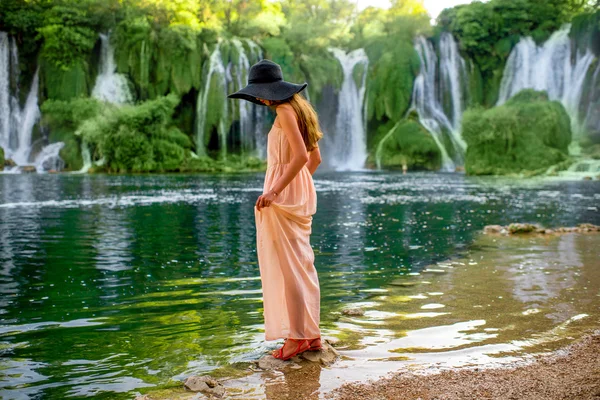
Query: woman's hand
[[265, 199]]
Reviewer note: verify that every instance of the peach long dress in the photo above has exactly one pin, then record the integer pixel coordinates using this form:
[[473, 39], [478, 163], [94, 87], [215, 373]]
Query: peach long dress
[[291, 293]]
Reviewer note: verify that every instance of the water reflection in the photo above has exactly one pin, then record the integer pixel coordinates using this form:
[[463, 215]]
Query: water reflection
[[112, 284]]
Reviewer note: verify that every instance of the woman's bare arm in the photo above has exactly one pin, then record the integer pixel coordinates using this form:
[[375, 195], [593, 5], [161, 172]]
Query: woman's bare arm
[[289, 125], [314, 159]]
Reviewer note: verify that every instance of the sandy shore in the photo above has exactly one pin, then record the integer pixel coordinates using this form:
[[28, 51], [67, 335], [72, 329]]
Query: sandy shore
[[570, 373]]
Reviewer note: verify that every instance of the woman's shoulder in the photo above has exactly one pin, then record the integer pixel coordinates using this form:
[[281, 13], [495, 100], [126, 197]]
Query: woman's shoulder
[[286, 111], [286, 107]]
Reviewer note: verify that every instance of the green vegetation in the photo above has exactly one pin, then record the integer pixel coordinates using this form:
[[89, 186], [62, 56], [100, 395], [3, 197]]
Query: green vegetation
[[527, 133], [487, 32], [63, 118], [163, 48], [1, 159], [406, 144]]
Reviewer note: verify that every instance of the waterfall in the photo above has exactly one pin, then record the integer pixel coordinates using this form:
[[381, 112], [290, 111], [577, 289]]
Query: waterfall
[[250, 116], [553, 67], [592, 114], [217, 69], [16, 123], [349, 142], [223, 76], [429, 96], [28, 118], [4, 91], [110, 86], [48, 159]]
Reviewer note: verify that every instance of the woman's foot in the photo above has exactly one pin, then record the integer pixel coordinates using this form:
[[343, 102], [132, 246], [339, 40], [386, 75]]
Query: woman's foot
[[291, 348], [315, 344]]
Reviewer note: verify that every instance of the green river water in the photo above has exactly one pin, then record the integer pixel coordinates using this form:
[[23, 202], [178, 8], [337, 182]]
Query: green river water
[[112, 286]]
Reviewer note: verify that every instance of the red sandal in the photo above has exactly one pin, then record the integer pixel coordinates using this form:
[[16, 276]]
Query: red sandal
[[315, 348], [279, 353]]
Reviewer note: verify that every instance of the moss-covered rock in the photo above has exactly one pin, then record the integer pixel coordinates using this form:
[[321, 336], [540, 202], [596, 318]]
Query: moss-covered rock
[[527, 133], [63, 118], [405, 144], [1, 159]]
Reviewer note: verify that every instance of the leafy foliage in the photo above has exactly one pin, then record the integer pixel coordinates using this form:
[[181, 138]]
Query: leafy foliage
[[527, 133], [406, 143], [138, 138], [488, 31]]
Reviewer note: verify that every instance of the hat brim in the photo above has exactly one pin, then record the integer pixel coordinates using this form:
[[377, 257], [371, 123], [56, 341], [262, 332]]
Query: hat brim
[[276, 91]]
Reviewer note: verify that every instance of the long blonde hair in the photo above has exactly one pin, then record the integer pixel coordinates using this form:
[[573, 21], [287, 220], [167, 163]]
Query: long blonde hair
[[308, 121]]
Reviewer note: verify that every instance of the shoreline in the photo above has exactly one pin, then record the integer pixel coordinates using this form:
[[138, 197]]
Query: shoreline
[[571, 372]]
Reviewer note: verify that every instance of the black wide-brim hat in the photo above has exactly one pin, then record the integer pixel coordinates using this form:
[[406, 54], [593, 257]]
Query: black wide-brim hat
[[265, 80]]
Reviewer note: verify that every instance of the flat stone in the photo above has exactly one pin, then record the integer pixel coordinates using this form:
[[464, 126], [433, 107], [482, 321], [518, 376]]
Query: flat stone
[[204, 384], [331, 340], [144, 397], [493, 229], [353, 312], [270, 363], [326, 356], [589, 228]]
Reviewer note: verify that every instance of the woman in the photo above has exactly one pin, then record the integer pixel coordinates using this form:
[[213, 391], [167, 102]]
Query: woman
[[283, 213]]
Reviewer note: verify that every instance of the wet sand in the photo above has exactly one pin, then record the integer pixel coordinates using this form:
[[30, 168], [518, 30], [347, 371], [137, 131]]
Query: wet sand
[[569, 373]]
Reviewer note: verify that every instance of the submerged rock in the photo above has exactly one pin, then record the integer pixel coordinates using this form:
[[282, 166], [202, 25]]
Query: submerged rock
[[522, 228], [206, 385], [519, 228], [353, 312], [494, 229], [326, 356]]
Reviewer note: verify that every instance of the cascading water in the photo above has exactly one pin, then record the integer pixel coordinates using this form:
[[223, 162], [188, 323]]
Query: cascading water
[[349, 146], [428, 97], [251, 117], [4, 91], [28, 117], [550, 67], [223, 77], [16, 123], [592, 114], [216, 69], [110, 86]]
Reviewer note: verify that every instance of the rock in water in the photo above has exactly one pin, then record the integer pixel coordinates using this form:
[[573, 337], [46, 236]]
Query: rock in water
[[205, 385], [493, 229], [326, 356], [522, 228], [270, 363], [353, 312]]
